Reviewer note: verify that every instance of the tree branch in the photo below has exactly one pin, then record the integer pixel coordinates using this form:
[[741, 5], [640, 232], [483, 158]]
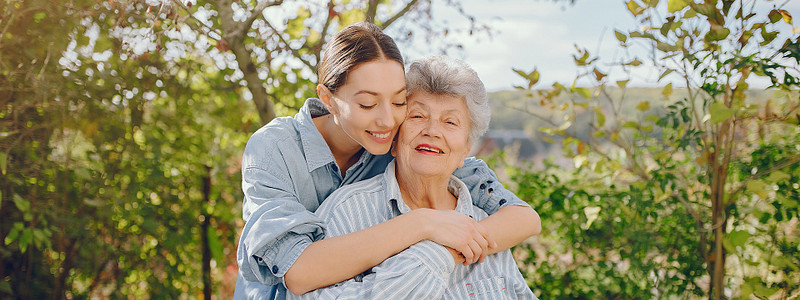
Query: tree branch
[[399, 14], [782, 165], [258, 12], [191, 15], [372, 9], [295, 52]]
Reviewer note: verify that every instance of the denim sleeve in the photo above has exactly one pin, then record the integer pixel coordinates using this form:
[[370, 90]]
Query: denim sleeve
[[487, 193], [277, 227], [419, 272]]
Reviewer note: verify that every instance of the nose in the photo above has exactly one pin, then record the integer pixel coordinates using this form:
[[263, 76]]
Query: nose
[[432, 128], [385, 118]]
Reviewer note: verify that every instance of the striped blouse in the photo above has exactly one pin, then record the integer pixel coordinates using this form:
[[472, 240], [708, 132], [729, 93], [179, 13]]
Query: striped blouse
[[425, 270]]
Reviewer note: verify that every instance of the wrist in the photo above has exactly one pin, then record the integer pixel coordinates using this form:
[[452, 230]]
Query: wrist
[[420, 221]]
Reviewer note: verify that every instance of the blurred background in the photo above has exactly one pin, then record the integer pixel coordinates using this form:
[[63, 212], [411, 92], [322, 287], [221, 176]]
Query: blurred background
[[658, 140]]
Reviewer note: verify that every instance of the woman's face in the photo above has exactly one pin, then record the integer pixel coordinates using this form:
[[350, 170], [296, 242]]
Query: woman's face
[[371, 104], [433, 140]]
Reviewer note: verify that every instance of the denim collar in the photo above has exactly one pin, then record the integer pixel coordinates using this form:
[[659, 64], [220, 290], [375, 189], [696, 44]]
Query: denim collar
[[318, 154]]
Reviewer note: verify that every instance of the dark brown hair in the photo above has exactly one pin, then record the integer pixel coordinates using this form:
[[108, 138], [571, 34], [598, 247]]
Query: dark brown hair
[[355, 44]]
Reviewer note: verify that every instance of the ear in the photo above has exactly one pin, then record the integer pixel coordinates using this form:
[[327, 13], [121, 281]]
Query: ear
[[325, 96]]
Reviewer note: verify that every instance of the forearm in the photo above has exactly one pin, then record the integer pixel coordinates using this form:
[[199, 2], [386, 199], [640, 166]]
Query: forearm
[[418, 272], [339, 258], [511, 225]]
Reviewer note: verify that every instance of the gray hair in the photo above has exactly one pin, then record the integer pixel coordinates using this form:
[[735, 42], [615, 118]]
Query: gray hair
[[442, 75]]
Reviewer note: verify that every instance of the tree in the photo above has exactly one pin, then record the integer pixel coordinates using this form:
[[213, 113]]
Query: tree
[[274, 56], [715, 158], [121, 132]]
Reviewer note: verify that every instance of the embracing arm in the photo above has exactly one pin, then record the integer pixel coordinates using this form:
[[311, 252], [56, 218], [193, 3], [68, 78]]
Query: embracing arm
[[510, 220], [341, 257], [418, 272], [523, 221]]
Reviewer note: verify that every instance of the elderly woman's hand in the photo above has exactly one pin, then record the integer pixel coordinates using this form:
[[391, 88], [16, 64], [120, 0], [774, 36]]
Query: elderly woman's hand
[[459, 232]]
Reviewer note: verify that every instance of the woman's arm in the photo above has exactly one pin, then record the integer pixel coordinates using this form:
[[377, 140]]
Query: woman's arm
[[523, 222], [510, 220], [418, 272], [341, 257]]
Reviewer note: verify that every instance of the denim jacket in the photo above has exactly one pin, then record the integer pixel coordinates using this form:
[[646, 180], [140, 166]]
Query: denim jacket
[[287, 171]]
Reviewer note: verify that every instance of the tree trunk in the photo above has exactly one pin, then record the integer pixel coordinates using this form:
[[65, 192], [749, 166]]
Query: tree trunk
[[234, 34], [254, 84], [61, 280], [204, 235]]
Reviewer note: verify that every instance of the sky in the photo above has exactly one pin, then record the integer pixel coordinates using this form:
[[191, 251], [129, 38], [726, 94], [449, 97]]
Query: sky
[[543, 34]]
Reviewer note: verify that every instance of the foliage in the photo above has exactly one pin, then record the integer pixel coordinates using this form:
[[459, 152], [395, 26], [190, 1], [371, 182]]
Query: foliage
[[123, 124], [697, 197]]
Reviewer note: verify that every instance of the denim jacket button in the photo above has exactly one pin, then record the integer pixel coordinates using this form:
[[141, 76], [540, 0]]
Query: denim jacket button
[[275, 269], [502, 201], [483, 185]]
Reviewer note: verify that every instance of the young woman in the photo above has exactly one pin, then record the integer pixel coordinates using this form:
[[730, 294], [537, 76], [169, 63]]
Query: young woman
[[291, 165]]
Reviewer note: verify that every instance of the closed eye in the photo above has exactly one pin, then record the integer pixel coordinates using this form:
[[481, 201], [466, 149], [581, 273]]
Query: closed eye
[[366, 106]]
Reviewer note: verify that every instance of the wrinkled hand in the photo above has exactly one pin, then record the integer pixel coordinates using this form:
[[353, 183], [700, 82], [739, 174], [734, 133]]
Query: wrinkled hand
[[459, 232]]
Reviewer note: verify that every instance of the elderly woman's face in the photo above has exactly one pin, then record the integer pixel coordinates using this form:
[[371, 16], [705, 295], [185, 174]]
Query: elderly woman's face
[[433, 140]]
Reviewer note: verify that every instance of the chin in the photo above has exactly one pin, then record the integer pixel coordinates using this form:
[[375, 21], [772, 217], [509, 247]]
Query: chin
[[378, 150]]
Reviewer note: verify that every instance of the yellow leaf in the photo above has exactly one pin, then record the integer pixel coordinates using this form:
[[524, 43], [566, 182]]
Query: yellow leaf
[[786, 16], [643, 106], [634, 8], [676, 5], [667, 91]]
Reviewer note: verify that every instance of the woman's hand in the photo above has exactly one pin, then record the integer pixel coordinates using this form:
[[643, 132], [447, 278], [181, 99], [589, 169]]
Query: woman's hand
[[452, 229]]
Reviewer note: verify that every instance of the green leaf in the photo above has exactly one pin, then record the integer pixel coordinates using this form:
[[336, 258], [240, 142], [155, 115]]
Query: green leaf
[[38, 17], [676, 5], [22, 204], [621, 36], [643, 106], [14, 233], [584, 92], [599, 134], [778, 176], [5, 287], [758, 187], [664, 47], [601, 118], [25, 239], [717, 33], [630, 124], [3, 162], [665, 73], [738, 238], [774, 16], [719, 112]]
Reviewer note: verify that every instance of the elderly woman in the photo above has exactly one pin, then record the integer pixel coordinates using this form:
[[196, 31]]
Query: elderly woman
[[447, 112]]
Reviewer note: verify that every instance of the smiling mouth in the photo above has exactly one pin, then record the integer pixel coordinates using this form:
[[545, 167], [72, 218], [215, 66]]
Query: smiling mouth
[[429, 149], [380, 135]]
